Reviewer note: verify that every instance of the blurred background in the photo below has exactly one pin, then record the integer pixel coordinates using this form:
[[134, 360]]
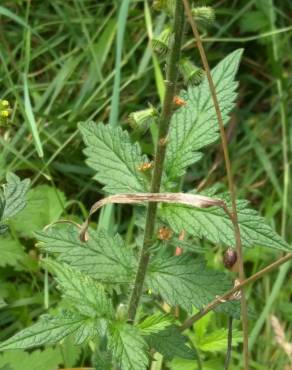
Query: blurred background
[[63, 62]]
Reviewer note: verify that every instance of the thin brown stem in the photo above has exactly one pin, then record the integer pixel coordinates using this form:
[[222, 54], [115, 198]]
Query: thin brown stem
[[230, 294], [229, 176]]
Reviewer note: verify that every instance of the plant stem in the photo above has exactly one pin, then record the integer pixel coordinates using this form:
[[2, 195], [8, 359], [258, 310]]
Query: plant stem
[[229, 176], [171, 78], [228, 295]]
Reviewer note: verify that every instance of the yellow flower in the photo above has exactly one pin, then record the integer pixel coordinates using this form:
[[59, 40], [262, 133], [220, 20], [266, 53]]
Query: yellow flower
[[4, 113]]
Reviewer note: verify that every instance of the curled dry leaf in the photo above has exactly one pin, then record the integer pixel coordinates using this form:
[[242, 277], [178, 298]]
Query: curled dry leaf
[[193, 200]]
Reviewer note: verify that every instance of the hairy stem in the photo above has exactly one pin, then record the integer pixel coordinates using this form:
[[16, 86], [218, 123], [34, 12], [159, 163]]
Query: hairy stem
[[229, 295], [171, 77], [229, 176]]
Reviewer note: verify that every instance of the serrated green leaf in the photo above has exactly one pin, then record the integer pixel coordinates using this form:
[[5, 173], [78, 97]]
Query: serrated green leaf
[[44, 206], [48, 330], [11, 252], [195, 125], [155, 323], [171, 343], [116, 160], [48, 359], [213, 224], [128, 347], [184, 281], [87, 296], [13, 197], [103, 257]]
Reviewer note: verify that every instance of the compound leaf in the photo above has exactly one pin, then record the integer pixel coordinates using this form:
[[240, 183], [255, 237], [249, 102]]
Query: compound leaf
[[116, 160], [195, 124]]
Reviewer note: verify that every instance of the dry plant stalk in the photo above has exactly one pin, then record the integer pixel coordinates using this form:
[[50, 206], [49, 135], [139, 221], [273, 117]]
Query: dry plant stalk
[[229, 176], [280, 336]]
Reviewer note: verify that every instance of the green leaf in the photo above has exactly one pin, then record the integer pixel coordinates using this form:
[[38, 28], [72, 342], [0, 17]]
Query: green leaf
[[103, 257], [195, 125], [128, 347], [13, 196], [11, 252], [45, 205], [48, 359], [70, 352], [87, 296], [171, 343], [213, 224], [155, 323], [216, 341], [49, 330], [184, 281], [116, 160], [184, 364]]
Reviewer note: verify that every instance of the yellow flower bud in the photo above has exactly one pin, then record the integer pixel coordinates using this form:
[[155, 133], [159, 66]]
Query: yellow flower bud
[[4, 113]]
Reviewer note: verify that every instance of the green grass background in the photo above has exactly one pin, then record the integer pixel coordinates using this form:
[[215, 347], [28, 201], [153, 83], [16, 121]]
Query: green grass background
[[67, 61]]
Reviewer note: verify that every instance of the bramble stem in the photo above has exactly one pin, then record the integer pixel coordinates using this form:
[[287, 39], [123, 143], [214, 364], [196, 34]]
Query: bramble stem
[[171, 78], [229, 176]]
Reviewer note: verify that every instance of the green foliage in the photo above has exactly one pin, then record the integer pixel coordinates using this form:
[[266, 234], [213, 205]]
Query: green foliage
[[206, 339], [195, 125], [50, 330], [12, 198], [92, 276], [128, 347], [116, 160], [49, 359], [105, 258], [155, 323], [214, 224], [44, 206], [11, 252], [186, 281], [85, 294], [171, 343]]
